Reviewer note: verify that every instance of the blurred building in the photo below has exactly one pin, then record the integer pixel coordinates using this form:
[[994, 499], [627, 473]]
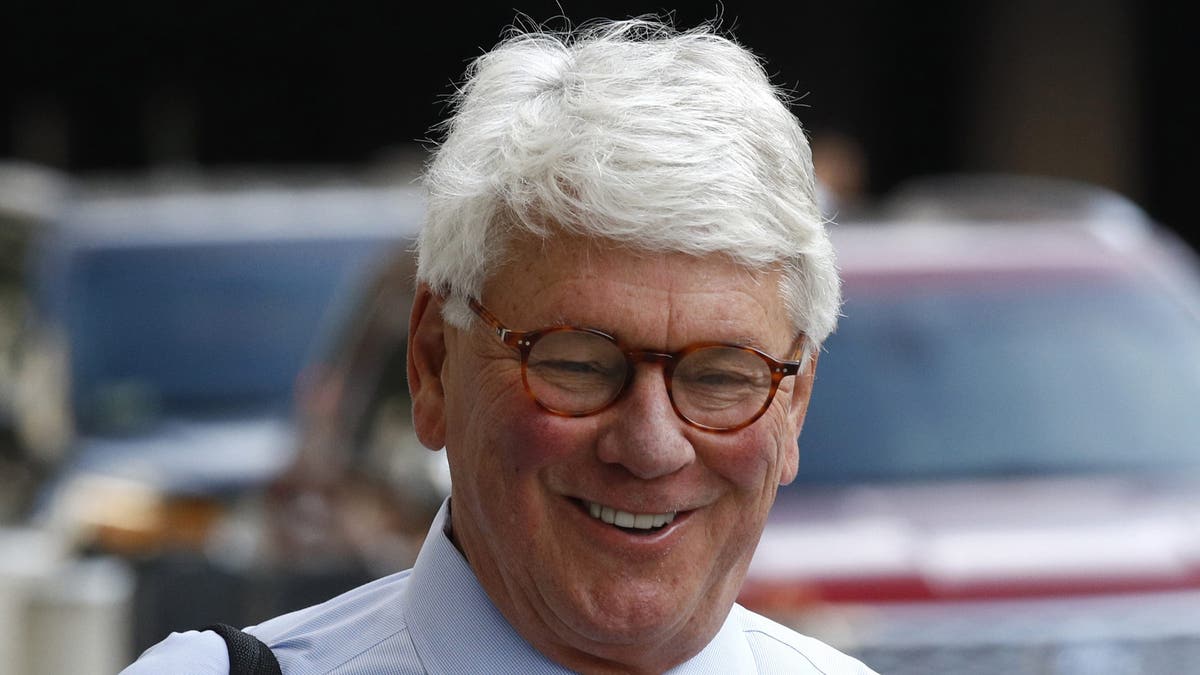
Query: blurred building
[[1077, 90]]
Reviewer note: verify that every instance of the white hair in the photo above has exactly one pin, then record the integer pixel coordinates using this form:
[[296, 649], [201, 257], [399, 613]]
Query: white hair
[[631, 132]]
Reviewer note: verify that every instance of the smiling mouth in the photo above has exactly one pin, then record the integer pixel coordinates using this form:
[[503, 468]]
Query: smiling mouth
[[639, 522]]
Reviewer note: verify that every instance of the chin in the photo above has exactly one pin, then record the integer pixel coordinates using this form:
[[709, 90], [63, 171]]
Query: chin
[[647, 618]]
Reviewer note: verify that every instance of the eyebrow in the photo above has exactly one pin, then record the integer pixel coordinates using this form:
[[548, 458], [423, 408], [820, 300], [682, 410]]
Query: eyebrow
[[741, 340]]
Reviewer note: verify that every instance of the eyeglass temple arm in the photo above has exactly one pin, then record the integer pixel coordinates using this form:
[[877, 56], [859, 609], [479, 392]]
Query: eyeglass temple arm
[[508, 337]]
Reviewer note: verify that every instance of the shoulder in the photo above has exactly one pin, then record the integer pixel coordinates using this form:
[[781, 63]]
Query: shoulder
[[351, 627], [364, 603], [190, 653], [348, 628], [777, 648]]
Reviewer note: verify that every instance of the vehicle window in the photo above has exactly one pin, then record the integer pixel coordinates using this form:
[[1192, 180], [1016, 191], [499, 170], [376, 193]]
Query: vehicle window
[[195, 330], [992, 379]]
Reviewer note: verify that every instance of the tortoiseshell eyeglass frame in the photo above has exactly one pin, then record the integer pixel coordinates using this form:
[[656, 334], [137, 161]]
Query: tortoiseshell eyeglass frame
[[523, 342]]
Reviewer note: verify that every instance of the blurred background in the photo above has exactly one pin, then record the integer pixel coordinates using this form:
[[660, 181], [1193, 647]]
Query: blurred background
[[1091, 90], [205, 215]]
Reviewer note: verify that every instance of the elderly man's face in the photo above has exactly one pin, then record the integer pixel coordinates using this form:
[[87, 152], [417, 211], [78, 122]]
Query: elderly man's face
[[580, 590]]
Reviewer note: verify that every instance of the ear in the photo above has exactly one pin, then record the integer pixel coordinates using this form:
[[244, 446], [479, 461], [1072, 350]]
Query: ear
[[426, 356], [798, 408]]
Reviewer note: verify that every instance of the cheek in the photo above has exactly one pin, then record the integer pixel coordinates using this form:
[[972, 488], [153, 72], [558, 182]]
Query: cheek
[[521, 437], [755, 458], [538, 438]]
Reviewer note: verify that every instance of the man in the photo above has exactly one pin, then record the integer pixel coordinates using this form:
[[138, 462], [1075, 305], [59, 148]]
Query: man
[[623, 283]]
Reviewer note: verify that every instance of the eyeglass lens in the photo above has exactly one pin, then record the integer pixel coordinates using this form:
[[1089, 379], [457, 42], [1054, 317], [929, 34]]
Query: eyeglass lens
[[577, 372]]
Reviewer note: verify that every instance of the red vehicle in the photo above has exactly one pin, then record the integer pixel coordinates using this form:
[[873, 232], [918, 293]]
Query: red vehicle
[[1000, 468]]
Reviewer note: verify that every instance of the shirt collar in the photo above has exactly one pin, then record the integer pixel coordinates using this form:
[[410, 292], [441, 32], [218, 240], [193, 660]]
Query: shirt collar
[[454, 625]]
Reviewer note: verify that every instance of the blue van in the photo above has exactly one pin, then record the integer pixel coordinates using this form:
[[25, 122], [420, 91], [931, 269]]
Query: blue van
[[169, 329]]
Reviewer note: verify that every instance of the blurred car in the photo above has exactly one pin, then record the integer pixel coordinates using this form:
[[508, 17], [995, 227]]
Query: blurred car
[[1000, 466], [169, 326], [1002, 197], [30, 195], [361, 488]]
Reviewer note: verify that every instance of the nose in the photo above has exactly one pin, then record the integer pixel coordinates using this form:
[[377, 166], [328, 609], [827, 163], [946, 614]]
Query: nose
[[642, 432]]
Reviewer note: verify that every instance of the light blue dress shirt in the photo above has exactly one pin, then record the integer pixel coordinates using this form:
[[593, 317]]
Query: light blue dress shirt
[[436, 618]]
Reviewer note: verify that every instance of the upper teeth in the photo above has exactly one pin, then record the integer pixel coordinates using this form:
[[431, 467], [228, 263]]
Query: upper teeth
[[641, 521]]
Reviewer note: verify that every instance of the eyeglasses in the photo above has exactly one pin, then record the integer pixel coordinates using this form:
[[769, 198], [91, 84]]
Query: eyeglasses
[[575, 372]]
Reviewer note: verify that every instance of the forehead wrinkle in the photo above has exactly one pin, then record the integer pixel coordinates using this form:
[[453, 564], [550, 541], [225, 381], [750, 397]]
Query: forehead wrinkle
[[728, 283], [679, 330], [579, 263]]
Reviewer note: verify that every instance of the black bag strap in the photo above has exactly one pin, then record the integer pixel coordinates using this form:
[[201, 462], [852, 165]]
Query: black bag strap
[[247, 654]]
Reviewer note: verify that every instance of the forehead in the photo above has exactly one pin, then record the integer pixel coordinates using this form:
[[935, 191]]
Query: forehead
[[660, 298]]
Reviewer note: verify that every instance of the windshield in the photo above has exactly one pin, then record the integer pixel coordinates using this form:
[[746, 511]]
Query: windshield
[[198, 330], [1050, 375]]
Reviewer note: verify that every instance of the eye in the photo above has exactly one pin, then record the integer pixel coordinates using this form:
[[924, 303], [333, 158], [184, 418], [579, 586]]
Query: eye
[[721, 378], [569, 367], [720, 383], [577, 361], [717, 377], [576, 372]]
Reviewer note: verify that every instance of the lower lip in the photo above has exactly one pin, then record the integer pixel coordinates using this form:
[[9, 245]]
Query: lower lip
[[612, 535]]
